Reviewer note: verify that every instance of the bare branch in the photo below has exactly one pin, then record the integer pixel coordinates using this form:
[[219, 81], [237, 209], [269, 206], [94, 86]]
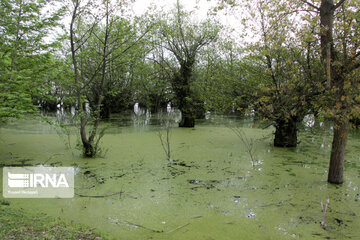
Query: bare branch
[[165, 143], [310, 4], [179, 20], [162, 66], [141, 226], [339, 4], [99, 196], [248, 143], [355, 66], [178, 228]]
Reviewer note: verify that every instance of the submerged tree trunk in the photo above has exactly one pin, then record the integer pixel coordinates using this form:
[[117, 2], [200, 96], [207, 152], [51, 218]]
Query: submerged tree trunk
[[181, 85], [338, 147], [92, 149], [200, 110], [89, 150], [180, 39], [187, 113], [286, 133], [355, 122], [90, 145], [336, 80], [341, 126], [187, 120], [105, 112], [87, 146]]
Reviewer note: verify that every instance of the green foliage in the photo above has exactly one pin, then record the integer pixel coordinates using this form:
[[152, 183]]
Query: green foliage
[[285, 60], [24, 55], [123, 68], [225, 79], [153, 88], [105, 49], [63, 124], [178, 49]]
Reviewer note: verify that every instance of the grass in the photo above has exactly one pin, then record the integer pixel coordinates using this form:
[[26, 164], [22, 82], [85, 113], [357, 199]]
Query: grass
[[17, 224]]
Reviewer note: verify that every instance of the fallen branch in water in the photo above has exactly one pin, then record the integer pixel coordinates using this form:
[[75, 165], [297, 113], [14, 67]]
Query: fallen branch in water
[[178, 228], [323, 225], [141, 226], [98, 196]]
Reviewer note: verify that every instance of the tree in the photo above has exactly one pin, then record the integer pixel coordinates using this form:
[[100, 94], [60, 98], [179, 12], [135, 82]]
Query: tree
[[126, 66], [24, 55], [153, 86], [76, 42], [226, 79], [285, 66], [183, 40], [341, 59], [99, 43]]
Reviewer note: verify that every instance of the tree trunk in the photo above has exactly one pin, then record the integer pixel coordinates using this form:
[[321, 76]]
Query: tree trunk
[[187, 121], [338, 147], [89, 150], [93, 144], [187, 112], [286, 133], [199, 109], [335, 77], [105, 112], [81, 112], [355, 121], [341, 128], [327, 10], [181, 86]]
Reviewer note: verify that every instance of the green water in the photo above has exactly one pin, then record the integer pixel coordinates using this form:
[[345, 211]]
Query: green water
[[211, 190]]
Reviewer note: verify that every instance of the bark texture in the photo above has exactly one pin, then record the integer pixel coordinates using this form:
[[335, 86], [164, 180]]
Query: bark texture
[[181, 85], [336, 79], [286, 133], [336, 168]]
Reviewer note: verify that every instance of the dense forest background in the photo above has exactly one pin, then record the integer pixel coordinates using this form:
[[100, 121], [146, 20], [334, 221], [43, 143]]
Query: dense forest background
[[288, 59]]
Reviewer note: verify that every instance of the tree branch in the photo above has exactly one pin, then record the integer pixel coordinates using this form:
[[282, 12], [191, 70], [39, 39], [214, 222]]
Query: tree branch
[[310, 4], [99, 196], [355, 66], [339, 4], [141, 226]]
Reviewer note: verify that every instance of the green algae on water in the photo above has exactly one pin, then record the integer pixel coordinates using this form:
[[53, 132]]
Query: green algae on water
[[209, 190]]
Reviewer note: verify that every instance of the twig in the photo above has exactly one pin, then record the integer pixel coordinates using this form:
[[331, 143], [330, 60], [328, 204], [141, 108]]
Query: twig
[[178, 228], [52, 156], [249, 143], [98, 196], [165, 146], [352, 211], [165, 143], [323, 225], [311, 4], [141, 226]]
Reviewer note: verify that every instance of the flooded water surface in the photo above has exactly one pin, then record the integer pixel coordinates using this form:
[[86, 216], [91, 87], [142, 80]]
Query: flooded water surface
[[211, 188]]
